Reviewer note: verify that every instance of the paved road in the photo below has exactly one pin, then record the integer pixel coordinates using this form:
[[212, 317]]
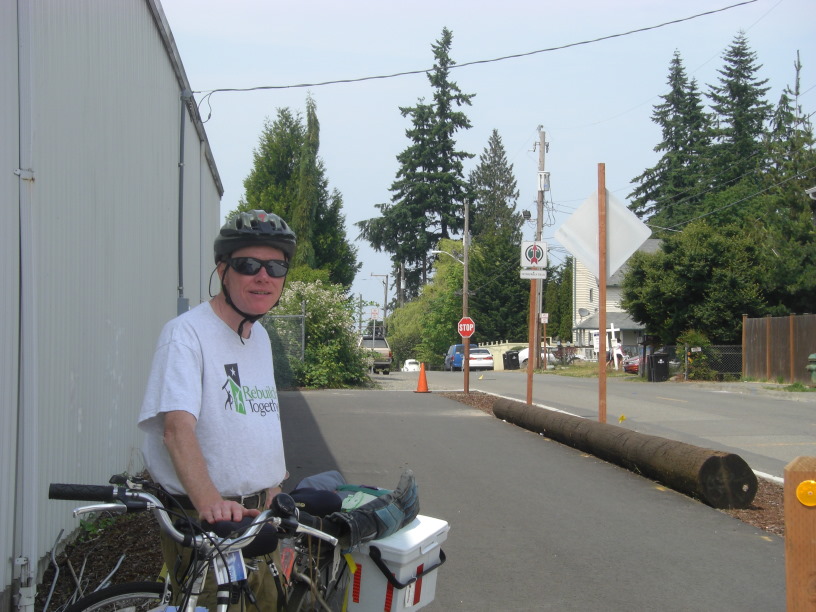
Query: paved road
[[766, 426], [535, 525]]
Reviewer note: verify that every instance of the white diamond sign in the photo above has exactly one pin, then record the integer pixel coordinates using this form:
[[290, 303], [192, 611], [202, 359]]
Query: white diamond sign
[[625, 233]]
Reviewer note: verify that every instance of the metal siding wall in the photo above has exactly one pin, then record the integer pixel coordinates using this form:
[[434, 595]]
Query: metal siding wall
[[106, 112], [9, 279]]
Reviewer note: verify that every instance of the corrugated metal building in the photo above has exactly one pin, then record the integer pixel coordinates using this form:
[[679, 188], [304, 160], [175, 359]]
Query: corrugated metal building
[[93, 129]]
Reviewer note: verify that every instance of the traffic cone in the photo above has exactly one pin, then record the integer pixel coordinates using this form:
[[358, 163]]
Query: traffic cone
[[422, 386]]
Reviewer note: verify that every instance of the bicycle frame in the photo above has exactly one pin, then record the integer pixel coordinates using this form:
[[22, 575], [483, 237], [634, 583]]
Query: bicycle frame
[[223, 555]]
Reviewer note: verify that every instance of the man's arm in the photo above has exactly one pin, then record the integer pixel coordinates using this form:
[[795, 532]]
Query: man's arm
[[191, 468]]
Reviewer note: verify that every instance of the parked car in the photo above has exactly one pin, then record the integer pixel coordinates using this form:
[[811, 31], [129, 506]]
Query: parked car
[[480, 359], [410, 365], [380, 355], [631, 365], [455, 355], [522, 357]]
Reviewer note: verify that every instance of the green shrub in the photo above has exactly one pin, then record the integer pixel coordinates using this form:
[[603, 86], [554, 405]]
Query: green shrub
[[332, 358]]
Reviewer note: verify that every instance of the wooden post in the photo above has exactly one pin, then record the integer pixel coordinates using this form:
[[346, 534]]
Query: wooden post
[[768, 347], [744, 344], [533, 349], [800, 525], [792, 347], [602, 293]]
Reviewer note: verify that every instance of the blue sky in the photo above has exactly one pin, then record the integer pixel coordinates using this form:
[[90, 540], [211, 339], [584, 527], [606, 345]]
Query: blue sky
[[594, 101]]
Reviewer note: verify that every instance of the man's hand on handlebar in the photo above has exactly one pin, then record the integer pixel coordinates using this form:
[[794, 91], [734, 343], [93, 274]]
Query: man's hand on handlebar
[[224, 510]]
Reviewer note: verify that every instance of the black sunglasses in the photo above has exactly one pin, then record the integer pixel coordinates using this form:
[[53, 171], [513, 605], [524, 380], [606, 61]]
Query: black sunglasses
[[250, 266]]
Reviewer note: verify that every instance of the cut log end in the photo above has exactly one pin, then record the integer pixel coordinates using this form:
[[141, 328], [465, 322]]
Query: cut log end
[[727, 482]]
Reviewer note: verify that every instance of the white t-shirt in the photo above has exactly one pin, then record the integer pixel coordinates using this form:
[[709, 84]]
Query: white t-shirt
[[200, 366]]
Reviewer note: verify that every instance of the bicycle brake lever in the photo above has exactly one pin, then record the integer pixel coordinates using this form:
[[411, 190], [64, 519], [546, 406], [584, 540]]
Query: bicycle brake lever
[[114, 508]]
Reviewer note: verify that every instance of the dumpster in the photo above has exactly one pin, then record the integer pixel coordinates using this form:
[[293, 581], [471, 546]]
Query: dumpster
[[658, 367], [510, 360]]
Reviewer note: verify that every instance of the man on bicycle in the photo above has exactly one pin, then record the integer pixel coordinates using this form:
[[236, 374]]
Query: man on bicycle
[[210, 412]]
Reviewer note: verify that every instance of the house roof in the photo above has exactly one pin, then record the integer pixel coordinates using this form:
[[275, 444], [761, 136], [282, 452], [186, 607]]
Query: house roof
[[651, 245], [621, 320]]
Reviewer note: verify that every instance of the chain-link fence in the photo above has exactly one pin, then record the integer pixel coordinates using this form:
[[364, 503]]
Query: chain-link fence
[[719, 362], [715, 363], [287, 334]]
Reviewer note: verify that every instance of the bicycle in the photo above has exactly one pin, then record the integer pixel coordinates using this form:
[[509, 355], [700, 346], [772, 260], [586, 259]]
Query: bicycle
[[307, 580]]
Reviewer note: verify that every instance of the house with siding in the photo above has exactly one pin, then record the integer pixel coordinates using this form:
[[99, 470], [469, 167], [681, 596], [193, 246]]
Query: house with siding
[[110, 199], [586, 304]]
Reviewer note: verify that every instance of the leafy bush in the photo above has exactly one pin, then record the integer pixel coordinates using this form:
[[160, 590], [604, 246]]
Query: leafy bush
[[699, 362], [332, 358]]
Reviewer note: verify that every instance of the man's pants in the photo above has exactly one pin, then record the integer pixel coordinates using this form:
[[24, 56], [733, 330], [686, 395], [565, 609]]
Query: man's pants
[[261, 581]]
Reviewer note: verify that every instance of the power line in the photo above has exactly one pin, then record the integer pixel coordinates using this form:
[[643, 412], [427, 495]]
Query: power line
[[748, 197], [209, 93]]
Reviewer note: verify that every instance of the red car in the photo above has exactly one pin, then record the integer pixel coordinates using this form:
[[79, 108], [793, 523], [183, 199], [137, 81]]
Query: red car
[[631, 365]]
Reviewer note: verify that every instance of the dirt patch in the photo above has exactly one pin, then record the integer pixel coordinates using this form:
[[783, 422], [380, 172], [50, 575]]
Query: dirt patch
[[766, 511], [96, 551]]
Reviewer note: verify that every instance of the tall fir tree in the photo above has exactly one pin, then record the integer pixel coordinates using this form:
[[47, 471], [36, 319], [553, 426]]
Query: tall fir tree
[[495, 194], [740, 112], [289, 178], [499, 292], [788, 225], [429, 191], [669, 192]]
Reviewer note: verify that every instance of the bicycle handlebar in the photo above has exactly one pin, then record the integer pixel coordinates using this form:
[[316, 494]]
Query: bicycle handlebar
[[76, 492], [123, 499]]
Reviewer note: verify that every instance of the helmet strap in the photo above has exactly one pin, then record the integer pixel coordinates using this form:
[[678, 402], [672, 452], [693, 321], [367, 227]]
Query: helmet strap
[[247, 318]]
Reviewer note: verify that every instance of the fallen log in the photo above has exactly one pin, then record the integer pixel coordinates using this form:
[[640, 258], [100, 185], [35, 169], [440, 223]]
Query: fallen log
[[719, 479]]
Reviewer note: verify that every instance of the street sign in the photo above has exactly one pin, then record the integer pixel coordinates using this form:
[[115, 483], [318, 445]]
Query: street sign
[[466, 327], [533, 254], [625, 234], [375, 314], [528, 273]]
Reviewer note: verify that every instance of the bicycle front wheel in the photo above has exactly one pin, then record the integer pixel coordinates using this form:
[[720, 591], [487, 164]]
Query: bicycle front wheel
[[130, 596]]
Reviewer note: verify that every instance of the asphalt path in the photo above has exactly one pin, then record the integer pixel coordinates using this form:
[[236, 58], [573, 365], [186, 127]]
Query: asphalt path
[[534, 525], [766, 426]]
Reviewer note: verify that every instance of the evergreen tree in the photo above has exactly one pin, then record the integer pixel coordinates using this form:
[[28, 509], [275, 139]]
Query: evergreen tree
[[495, 194], [703, 278], [288, 178], [429, 191], [499, 296], [558, 301], [499, 293], [564, 329], [740, 113], [788, 225], [668, 192], [270, 184], [308, 184]]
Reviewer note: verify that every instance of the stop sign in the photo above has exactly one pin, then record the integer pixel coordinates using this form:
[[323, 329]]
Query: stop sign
[[466, 327]]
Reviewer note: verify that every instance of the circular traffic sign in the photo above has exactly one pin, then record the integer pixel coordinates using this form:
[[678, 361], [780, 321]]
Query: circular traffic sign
[[466, 327]]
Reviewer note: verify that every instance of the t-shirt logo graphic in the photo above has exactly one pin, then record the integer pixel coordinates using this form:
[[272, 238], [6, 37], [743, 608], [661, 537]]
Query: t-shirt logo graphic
[[235, 396]]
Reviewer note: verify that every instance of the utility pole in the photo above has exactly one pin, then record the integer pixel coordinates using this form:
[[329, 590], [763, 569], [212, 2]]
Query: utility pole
[[536, 286], [466, 358], [385, 301]]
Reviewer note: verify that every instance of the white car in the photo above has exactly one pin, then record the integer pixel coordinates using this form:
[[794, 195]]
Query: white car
[[480, 359], [522, 357], [410, 365]]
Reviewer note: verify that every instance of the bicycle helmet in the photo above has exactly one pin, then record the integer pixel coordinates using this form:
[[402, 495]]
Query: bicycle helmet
[[253, 228]]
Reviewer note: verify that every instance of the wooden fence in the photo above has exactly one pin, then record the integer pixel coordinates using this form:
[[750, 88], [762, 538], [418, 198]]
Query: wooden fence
[[777, 348]]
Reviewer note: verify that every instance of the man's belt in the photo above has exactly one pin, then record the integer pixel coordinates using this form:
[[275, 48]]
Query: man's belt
[[254, 501]]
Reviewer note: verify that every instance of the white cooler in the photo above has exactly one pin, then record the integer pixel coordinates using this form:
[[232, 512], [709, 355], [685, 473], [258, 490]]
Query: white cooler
[[409, 558]]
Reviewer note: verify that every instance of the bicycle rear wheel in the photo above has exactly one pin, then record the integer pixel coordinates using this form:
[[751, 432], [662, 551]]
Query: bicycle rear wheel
[[130, 596]]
